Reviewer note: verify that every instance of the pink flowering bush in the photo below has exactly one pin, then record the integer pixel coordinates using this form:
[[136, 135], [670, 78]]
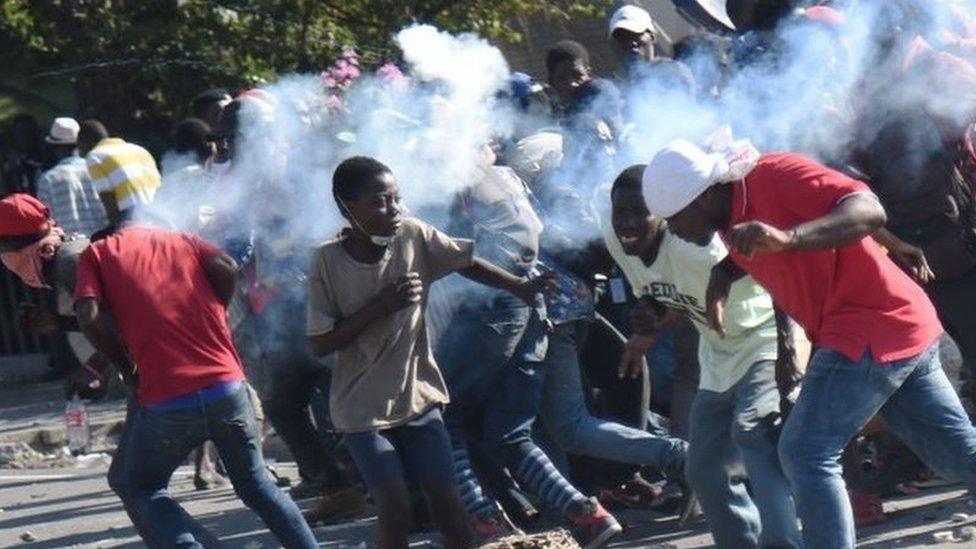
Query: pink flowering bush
[[391, 74], [340, 76]]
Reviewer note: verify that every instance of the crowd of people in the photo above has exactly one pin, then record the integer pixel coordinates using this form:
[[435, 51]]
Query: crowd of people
[[580, 269]]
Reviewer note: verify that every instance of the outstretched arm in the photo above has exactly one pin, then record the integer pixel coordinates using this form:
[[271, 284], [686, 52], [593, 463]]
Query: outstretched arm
[[856, 216], [485, 273], [908, 256]]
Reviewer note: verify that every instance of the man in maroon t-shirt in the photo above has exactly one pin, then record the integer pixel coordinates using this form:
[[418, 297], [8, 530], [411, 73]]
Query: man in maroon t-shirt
[[804, 232], [167, 293]]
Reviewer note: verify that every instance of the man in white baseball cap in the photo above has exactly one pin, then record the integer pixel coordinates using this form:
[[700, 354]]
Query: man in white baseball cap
[[632, 35], [66, 188]]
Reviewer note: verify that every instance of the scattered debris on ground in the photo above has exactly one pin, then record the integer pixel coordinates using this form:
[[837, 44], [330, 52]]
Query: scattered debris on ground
[[20, 455], [553, 539]]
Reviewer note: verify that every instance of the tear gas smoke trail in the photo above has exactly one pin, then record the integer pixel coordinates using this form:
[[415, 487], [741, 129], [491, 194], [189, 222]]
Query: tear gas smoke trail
[[431, 130]]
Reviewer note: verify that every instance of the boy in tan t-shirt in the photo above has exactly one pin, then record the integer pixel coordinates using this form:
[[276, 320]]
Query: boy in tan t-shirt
[[366, 302]]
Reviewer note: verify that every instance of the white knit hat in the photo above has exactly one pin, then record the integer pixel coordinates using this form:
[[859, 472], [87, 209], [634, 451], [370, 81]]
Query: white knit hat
[[682, 171]]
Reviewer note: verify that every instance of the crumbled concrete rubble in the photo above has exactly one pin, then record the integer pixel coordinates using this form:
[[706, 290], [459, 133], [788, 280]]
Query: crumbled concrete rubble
[[554, 539], [19, 455]]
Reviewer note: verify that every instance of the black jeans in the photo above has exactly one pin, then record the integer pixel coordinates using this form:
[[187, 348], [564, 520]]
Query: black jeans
[[293, 378], [955, 301]]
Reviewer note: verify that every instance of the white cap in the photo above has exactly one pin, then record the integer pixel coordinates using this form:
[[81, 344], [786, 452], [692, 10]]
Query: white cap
[[717, 10], [64, 131], [632, 18]]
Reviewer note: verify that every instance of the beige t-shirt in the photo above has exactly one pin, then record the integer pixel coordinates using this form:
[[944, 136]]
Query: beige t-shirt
[[387, 376]]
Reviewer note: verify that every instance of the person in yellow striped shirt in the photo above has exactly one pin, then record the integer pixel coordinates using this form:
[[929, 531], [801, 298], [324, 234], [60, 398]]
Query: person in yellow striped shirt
[[124, 174]]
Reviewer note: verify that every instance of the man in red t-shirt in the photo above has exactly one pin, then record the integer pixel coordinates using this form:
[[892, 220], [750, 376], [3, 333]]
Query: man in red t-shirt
[[167, 293], [804, 232]]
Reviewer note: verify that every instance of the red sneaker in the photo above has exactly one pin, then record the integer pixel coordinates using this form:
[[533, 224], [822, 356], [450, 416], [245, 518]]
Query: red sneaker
[[867, 508], [593, 525], [493, 525]]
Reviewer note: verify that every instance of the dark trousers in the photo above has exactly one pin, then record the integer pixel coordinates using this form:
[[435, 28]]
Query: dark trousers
[[294, 381], [483, 350], [955, 301]]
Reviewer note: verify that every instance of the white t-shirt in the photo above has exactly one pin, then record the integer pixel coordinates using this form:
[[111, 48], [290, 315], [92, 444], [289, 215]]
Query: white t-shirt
[[678, 278]]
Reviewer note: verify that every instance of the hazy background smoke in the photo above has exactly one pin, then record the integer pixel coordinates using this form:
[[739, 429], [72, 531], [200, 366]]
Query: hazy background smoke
[[806, 95]]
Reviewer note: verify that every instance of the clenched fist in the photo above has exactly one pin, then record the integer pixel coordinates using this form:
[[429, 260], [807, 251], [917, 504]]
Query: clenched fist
[[406, 291]]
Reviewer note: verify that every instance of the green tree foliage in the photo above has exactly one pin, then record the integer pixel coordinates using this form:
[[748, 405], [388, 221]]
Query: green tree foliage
[[136, 63]]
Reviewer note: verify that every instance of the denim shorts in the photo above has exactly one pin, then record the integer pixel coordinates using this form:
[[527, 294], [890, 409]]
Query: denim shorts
[[419, 450]]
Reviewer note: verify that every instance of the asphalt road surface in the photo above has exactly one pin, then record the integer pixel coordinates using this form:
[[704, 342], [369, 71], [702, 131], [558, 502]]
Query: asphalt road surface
[[73, 507]]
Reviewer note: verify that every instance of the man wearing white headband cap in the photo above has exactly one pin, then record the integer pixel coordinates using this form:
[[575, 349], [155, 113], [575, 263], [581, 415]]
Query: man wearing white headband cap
[[803, 231], [736, 415]]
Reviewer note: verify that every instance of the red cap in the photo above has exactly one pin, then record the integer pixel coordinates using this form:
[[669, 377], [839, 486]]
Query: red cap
[[22, 214], [825, 14]]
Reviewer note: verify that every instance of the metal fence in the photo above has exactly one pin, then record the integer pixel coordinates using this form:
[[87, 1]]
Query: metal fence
[[14, 340]]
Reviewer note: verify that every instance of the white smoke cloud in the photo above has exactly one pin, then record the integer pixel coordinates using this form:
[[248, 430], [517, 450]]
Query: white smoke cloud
[[431, 131]]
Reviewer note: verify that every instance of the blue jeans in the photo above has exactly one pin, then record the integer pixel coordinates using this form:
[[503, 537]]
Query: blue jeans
[[574, 430], [479, 345], [500, 397], [476, 352], [160, 441], [733, 428], [116, 481], [839, 396], [418, 450]]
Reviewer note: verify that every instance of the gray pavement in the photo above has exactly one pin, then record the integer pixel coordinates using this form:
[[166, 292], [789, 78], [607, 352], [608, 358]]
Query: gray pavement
[[65, 502], [73, 507]]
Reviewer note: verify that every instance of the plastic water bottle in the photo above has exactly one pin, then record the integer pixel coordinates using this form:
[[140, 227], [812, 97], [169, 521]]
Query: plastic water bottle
[[79, 431]]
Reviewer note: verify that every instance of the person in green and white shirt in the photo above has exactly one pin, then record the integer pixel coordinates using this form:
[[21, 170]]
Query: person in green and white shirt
[[736, 413]]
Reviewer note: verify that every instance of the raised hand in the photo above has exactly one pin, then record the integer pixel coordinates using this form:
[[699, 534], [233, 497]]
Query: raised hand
[[406, 291]]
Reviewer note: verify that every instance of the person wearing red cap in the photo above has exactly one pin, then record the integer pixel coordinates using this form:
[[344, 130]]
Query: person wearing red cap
[[38, 251], [35, 248], [167, 293]]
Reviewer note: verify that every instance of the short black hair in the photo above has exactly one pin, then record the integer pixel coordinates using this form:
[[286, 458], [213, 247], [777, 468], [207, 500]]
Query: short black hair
[[352, 173], [567, 50], [704, 43], [630, 178], [192, 135], [230, 120], [207, 98], [92, 131]]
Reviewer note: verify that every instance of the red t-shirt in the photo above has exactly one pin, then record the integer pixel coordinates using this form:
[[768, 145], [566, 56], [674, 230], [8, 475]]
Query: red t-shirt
[[174, 326], [851, 299]]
